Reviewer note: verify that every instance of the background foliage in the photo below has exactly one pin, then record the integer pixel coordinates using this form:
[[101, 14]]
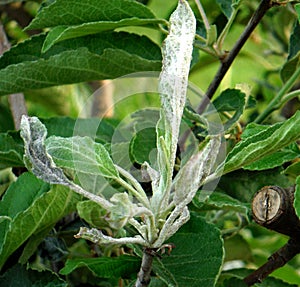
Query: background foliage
[[54, 68]]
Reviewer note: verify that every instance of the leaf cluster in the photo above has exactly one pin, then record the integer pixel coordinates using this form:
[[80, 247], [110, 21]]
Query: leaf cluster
[[97, 40]]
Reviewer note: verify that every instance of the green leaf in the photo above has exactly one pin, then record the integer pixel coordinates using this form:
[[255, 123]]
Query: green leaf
[[227, 6], [76, 12], [297, 8], [94, 57], [264, 143], [11, 150], [290, 67], [198, 256], [294, 46], [19, 196], [124, 266], [141, 145], [293, 169], [276, 159], [230, 100], [81, 154], [20, 276], [217, 200], [297, 196], [100, 129], [61, 33], [43, 213], [242, 185]]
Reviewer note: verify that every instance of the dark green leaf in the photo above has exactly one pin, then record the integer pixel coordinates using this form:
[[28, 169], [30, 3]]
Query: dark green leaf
[[19, 196], [294, 45], [92, 213], [20, 276], [227, 6], [100, 129], [2, 2], [142, 144], [61, 33], [268, 141], [43, 213], [76, 12], [96, 57], [237, 248], [297, 196], [242, 185], [11, 150], [218, 200], [124, 266], [297, 8], [275, 159], [230, 100], [198, 256], [6, 119], [293, 169], [290, 67]]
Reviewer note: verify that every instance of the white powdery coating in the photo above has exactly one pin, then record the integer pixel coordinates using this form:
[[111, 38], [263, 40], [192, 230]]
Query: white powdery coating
[[177, 55]]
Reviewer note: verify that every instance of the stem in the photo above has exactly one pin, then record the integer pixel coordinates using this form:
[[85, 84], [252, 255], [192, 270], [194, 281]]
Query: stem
[[144, 275], [263, 7], [203, 15], [277, 99], [136, 188], [225, 31], [16, 101], [93, 197], [290, 96]]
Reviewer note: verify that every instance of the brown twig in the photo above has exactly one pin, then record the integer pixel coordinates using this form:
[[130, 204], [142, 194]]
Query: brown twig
[[275, 261], [16, 101], [226, 62], [144, 275], [272, 207]]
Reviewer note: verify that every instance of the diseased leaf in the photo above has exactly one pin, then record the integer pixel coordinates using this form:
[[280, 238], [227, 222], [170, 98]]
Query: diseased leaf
[[20, 276], [36, 159], [177, 55], [197, 257], [268, 141], [105, 267], [43, 213], [95, 57], [76, 12], [81, 154]]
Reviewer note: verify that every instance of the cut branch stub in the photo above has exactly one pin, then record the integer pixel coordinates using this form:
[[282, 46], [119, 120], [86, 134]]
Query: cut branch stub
[[272, 207]]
